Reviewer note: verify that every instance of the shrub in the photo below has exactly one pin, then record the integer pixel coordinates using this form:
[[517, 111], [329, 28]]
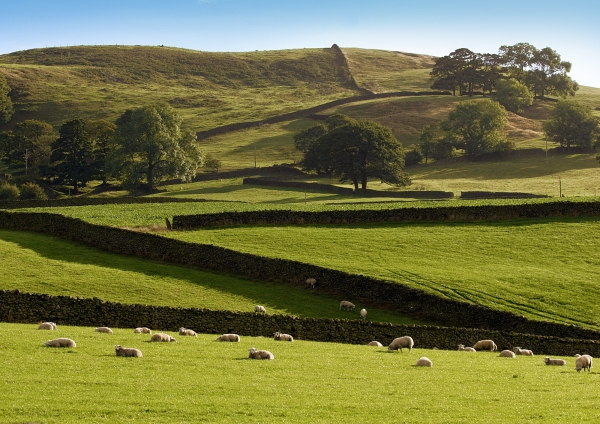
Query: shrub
[[9, 192], [413, 157], [32, 191], [513, 95]]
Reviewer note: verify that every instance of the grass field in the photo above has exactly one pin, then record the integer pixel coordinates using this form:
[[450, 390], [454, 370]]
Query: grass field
[[542, 269], [199, 380], [42, 264]]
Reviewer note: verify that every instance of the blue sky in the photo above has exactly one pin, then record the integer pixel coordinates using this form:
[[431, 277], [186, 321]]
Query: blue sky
[[430, 27]]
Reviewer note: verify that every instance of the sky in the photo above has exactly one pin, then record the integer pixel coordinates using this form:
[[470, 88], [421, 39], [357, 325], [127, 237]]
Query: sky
[[433, 27]]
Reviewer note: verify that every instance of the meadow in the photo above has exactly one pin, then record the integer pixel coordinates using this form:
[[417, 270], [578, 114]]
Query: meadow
[[200, 380]]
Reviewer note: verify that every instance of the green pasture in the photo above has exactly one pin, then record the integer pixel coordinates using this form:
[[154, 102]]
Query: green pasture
[[42, 264], [200, 380], [544, 269]]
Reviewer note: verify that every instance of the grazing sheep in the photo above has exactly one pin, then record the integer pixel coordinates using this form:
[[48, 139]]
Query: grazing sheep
[[400, 342], [462, 348], [259, 354], [103, 330], [260, 309], [485, 345], [310, 282], [162, 337], [187, 332], [47, 326], [62, 342], [128, 351], [559, 362], [283, 337], [583, 362], [228, 338], [363, 313], [507, 354], [375, 343], [143, 330], [424, 362], [525, 352], [348, 306]]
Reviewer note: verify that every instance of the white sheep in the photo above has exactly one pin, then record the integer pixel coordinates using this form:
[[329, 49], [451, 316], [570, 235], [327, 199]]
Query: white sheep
[[400, 342], [525, 352], [162, 337], [144, 330], [375, 343], [507, 354], [47, 326], [61, 342], [559, 362], [485, 345], [462, 348], [310, 282], [103, 330], [187, 332], [348, 306], [228, 338], [128, 351], [583, 362], [282, 337], [259, 354], [424, 362], [363, 313], [260, 309]]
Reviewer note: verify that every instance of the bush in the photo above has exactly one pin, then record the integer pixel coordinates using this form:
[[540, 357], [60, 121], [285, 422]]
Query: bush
[[9, 192], [32, 191], [413, 157], [513, 95]]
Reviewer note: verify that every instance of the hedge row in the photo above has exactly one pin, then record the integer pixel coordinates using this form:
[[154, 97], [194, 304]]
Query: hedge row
[[397, 297], [307, 112], [499, 195], [246, 172], [86, 201], [63, 310], [328, 188], [437, 213]]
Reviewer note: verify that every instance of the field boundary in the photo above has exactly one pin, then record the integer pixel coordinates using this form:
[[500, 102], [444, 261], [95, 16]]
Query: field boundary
[[92, 201]]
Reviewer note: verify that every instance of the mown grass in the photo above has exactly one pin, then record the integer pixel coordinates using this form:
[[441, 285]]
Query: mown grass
[[199, 380], [42, 264], [544, 269]]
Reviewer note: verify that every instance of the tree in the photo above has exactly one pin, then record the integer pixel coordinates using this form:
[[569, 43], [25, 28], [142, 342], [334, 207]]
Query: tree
[[549, 74], [101, 133], [513, 95], [475, 127], [572, 123], [152, 146], [6, 106], [518, 59], [426, 142], [28, 145], [73, 156], [212, 163]]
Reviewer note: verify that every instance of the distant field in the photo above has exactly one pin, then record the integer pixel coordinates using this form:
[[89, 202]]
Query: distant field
[[42, 264], [195, 380], [542, 269]]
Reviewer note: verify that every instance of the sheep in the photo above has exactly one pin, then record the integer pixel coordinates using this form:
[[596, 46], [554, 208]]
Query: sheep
[[228, 338], [525, 352], [103, 330], [559, 362], [61, 342], [143, 330], [400, 342], [424, 362], [344, 304], [507, 354], [462, 348], [375, 343], [47, 326], [363, 313], [187, 332], [128, 351], [260, 309], [583, 362], [310, 282], [485, 345], [162, 337], [283, 337], [259, 354]]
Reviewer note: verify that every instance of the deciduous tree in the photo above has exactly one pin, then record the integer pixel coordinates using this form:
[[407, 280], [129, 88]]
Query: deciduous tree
[[73, 155], [6, 106], [572, 123], [513, 95]]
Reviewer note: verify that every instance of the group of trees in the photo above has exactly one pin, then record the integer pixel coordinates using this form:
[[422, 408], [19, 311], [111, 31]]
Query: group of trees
[[6, 106], [541, 71]]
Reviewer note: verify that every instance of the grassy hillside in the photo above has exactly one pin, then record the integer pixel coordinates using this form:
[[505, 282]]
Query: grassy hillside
[[195, 380]]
